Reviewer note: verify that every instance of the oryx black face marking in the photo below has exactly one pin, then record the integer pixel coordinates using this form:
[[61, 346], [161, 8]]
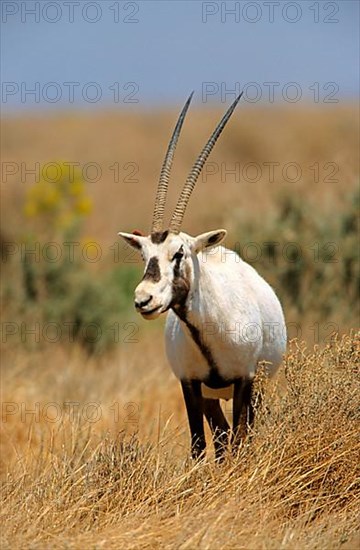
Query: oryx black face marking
[[180, 286], [152, 272], [158, 237]]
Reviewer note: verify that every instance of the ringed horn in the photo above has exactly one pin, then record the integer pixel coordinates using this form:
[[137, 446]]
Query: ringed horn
[[160, 198], [179, 212]]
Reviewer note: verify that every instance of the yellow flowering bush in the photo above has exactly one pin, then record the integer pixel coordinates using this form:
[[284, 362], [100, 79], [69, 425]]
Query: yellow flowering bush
[[59, 198]]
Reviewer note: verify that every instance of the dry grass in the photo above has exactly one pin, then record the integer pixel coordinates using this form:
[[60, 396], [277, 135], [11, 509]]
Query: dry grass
[[72, 483]]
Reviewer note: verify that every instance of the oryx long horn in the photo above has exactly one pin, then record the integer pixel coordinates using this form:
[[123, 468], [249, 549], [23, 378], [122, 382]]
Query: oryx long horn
[[160, 198], [177, 218]]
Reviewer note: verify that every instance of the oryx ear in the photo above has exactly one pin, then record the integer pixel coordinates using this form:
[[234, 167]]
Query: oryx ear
[[208, 240], [133, 239]]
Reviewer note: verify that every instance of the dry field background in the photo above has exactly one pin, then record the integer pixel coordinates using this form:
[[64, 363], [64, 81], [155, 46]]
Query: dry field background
[[303, 135], [94, 439]]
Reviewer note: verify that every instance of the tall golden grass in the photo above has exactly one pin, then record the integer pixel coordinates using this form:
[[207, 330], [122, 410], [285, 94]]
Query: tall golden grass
[[74, 479]]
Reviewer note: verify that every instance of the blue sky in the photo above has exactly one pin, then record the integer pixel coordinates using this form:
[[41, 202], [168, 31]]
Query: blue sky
[[80, 54]]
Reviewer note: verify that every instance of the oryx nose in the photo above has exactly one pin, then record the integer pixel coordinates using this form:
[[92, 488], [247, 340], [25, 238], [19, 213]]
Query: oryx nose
[[143, 303]]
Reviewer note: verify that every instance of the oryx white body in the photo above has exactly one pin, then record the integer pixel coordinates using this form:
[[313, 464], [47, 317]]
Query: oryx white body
[[223, 318], [239, 316]]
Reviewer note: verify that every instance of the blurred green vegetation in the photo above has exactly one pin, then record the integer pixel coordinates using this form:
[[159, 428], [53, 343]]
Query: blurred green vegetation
[[60, 292], [310, 258], [89, 304]]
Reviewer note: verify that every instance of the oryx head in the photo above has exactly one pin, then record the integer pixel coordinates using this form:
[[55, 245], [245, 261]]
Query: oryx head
[[169, 254]]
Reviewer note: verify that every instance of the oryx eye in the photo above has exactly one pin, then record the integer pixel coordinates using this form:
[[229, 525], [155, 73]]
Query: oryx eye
[[179, 254]]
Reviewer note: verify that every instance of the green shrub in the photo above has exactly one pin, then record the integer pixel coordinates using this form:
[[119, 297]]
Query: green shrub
[[311, 260], [84, 304]]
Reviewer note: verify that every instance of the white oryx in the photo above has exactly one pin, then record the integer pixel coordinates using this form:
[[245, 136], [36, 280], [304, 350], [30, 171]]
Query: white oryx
[[223, 318]]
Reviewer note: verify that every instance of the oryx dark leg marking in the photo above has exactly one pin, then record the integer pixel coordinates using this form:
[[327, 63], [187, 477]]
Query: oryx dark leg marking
[[152, 272], [194, 406], [218, 425], [243, 410]]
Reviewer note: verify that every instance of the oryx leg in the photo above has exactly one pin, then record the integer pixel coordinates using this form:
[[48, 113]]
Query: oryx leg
[[243, 409], [195, 408], [218, 425]]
